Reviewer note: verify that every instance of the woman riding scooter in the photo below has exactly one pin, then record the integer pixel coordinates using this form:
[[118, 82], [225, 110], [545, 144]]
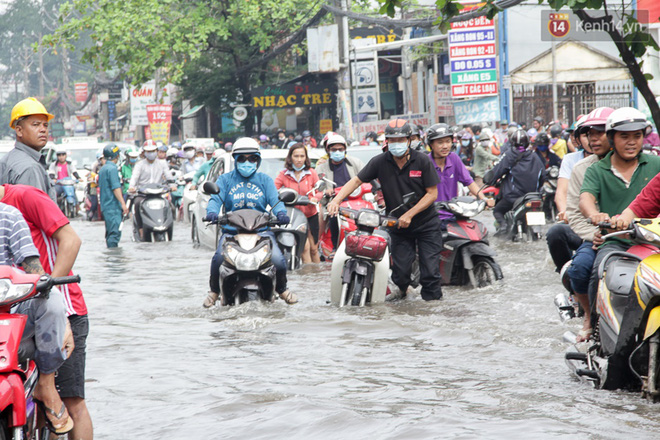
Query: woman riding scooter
[[299, 176], [245, 188]]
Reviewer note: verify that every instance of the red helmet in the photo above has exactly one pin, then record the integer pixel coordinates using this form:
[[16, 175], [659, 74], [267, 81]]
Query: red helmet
[[596, 119]]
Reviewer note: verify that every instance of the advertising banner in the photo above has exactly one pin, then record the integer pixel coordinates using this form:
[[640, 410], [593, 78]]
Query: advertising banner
[[422, 119], [81, 92], [159, 117], [294, 95], [141, 97]]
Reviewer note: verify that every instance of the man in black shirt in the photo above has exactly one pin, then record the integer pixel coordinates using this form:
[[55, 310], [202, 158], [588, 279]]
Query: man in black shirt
[[409, 183]]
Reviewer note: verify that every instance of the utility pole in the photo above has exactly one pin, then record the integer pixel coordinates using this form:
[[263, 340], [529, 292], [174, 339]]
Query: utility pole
[[554, 81], [344, 74], [40, 53]]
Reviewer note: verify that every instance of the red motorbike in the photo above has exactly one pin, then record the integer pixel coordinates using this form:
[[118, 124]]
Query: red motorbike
[[18, 372], [363, 197]]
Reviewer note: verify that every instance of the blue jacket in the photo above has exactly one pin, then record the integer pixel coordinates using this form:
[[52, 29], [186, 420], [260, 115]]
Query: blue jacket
[[236, 192]]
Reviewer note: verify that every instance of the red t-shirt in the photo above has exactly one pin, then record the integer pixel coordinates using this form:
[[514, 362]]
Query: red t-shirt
[[44, 218], [647, 202]]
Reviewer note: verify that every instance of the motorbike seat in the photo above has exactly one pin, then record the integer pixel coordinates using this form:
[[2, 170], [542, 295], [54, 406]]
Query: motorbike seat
[[620, 276], [529, 196]]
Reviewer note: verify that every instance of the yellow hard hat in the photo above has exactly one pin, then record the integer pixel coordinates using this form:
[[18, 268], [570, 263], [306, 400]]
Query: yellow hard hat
[[27, 107]]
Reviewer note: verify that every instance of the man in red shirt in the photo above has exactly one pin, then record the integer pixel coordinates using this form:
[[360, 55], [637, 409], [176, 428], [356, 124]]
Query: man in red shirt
[[58, 246], [645, 205]]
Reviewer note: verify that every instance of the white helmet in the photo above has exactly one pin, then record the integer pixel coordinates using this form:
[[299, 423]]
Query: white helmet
[[218, 153], [627, 119], [245, 145], [172, 152], [335, 139]]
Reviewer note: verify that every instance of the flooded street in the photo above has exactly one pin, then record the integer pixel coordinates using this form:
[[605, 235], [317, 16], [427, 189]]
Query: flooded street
[[479, 364]]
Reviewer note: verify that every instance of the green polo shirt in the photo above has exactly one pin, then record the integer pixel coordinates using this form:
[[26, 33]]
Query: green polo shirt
[[610, 191]]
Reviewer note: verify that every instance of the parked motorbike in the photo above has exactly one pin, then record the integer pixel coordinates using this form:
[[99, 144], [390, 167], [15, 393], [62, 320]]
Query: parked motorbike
[[91, 195], [626, 340], [526, 218], [247, 272], [292, 237], [362, 198], [66, 200], [466, 256], [361, 267], [549, 191], [18, 372], [156, 213]]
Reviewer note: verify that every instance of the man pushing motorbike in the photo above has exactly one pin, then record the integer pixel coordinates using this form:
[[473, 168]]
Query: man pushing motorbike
[[409, 183], [245, 188]]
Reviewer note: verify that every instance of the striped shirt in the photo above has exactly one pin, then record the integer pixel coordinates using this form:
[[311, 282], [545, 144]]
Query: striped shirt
[[15, 239]]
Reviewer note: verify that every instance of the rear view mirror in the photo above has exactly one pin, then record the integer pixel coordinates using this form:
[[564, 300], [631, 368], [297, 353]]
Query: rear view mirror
[[210, 188], [288, 195]]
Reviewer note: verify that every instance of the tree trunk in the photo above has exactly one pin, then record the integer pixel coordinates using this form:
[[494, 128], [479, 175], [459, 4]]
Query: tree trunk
[[631, 62]]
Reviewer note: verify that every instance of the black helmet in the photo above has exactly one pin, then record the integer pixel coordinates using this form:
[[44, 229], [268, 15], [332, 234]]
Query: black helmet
[[371, 135], [398, 128], [542, 139], [555, 130], [438, 131], [520, 139], [539, 120]]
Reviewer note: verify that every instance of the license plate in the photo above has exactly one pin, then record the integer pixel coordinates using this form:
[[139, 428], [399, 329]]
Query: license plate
[[535, 218]]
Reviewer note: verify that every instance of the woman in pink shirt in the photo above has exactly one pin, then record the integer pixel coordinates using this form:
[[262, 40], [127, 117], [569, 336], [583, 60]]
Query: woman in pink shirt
[[299, 176]]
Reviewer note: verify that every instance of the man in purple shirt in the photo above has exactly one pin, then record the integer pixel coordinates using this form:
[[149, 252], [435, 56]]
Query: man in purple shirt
[[450, 168]]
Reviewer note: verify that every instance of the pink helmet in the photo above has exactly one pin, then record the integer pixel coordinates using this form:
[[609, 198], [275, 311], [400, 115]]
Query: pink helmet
[[596, 119]]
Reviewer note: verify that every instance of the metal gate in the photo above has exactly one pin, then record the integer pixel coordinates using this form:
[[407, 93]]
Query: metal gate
[[573, 99]]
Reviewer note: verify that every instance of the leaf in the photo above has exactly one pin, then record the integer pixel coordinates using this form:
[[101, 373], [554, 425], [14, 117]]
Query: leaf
[[648, 76]]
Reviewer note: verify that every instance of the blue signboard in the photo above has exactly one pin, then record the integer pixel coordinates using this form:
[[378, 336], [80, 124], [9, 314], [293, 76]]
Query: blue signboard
[[476, 36], [111, 110], [473, 64], [477, 110]]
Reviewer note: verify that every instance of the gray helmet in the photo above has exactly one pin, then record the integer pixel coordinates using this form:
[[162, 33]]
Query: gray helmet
[[438, 131]]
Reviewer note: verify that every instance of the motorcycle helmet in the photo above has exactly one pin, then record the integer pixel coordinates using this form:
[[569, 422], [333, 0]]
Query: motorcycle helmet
[[335, 139], [596, 119], [627, 119], [371, 135], [210, 149], [218, 153], [60, 150], [324, 141], [149, 145], [228, 147], [172, 152], [99, 154], [263, 138], [398, 128], [520, 140], [484, 137], [27, 107], [542, 139], [176, 145], [110, 151], [438, 131], [306, 134], [245, 145], [555, 130], [162, 147]]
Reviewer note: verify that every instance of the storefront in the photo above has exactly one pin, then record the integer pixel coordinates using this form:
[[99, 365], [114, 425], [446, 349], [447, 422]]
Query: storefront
[[296, 107]]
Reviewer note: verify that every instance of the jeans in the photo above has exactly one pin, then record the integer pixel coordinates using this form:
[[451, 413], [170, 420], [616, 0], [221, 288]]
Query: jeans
[[580, 270], [500, 210], [562, 241], [277, 258], [426, 240], [44, 329]]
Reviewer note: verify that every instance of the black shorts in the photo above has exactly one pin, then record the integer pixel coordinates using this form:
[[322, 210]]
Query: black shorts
[[70, 378], [313, 223]]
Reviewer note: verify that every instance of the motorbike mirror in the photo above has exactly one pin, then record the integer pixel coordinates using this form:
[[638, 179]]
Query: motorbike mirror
[[287, 195], [88, 167], [210, 188], [329, 182]]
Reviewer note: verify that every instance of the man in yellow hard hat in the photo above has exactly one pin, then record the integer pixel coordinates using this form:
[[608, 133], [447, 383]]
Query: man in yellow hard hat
[[24, 164]]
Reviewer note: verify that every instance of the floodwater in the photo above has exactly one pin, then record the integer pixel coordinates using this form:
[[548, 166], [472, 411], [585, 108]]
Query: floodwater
[[478, 364]]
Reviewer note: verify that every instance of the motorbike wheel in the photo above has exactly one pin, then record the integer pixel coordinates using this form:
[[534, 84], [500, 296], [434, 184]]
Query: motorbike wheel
[[356, 289], [159, 236], [486, 271], [194, 233]]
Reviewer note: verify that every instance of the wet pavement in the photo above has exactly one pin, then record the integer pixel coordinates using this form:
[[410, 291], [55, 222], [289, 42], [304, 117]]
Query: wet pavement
[[484, 363]]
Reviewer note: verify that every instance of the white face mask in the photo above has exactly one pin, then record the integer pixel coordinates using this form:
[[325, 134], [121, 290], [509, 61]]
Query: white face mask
[[190, 154]]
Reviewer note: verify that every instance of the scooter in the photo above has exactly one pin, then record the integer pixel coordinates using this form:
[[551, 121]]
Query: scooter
[[92, 206], [526, 218], [361, 267], [156, 212], [292, 237], [18, 371], [466, 256], [626, 342], [362, 198], [247, 272], [67, 198]]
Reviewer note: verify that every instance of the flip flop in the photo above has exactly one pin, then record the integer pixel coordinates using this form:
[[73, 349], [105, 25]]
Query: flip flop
[[584, 335], [60, 428]]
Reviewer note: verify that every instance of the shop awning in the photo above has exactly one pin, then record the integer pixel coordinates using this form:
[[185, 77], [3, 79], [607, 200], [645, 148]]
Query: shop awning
[[192, 112]]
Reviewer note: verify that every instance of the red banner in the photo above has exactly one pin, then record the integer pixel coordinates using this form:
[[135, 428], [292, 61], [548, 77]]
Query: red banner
[[81, 92], [160, 120]]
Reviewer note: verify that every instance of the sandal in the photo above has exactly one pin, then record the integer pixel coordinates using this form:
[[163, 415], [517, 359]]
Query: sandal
[[210, 299], [59, 428], [288, 297], [584, 335]]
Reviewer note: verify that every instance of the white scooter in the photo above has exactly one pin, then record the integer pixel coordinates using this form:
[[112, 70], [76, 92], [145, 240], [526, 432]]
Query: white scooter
[[361, 266]]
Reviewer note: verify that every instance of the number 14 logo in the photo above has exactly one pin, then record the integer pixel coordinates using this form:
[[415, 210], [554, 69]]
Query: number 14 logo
[[558, 25]]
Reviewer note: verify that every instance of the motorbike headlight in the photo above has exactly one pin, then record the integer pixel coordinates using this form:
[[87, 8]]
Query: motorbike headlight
[[253, 260], [553, 172], [155, 203], [10, 293], [369, 219], [231, 253], [649, 236], [302, 227]]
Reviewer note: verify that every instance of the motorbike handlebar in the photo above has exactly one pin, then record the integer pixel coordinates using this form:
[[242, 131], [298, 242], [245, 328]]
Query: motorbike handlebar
[[46, 282]]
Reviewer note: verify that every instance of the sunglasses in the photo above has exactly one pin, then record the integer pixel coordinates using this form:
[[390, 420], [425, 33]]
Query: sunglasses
[[252, 159]]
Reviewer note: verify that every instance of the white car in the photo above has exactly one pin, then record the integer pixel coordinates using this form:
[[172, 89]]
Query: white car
[[272, 162]]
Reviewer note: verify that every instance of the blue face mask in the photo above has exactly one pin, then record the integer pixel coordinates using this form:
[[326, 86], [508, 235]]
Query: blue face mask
[[337, 156], [465, 142], [397, 149], [132, 159], [300, 168], [246, 169], [542, 147]]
